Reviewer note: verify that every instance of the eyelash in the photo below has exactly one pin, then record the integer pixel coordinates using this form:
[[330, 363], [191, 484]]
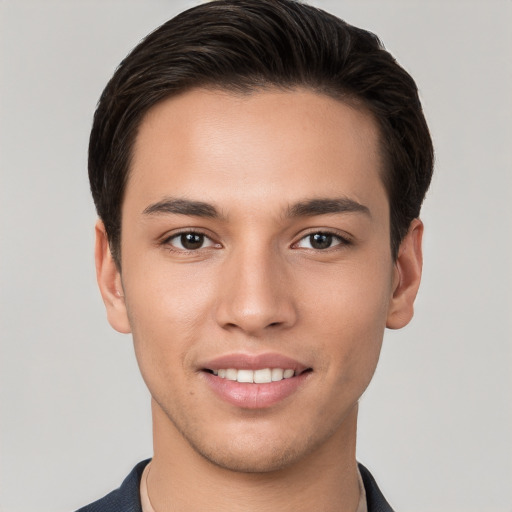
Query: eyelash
[[167, 241], [342, 241]]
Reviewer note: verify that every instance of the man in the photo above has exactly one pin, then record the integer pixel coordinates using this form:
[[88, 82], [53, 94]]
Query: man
[[258, 167]]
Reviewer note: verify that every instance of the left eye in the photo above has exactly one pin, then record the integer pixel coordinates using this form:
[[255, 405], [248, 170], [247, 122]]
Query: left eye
[[190, 241], [320, 241]]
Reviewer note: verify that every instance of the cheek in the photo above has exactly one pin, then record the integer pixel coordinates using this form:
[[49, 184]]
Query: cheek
[[349, 309], [352, 294], [167, 295], [167, 312]]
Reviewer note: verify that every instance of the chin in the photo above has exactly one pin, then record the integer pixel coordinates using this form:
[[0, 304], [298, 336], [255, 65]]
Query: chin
[[254, 442], [261, 448], [247, 457]]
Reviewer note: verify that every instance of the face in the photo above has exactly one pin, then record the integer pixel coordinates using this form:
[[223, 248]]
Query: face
[[257, 276]]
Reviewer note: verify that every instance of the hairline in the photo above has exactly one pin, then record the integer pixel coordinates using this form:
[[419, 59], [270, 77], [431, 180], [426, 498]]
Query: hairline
[[246, 87]]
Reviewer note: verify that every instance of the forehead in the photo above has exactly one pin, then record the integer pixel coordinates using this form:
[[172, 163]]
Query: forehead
[[240, 149]]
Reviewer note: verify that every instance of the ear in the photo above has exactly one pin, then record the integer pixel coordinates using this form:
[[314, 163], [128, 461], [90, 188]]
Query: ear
[[407, 277], [109, 282]]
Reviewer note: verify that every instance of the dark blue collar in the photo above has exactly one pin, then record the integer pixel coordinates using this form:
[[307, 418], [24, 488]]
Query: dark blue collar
[[127, 497]]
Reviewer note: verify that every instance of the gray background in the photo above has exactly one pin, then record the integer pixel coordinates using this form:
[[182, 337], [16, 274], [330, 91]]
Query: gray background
[[436, 423]]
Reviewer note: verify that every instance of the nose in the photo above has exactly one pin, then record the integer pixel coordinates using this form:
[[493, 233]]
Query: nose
[[255, 295]]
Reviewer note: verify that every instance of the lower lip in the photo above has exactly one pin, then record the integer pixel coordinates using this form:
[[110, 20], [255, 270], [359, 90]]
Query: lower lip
[[254, 396]]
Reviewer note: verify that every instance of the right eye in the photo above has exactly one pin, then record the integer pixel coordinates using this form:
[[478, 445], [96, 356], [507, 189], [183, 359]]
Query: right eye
[[189, 241]]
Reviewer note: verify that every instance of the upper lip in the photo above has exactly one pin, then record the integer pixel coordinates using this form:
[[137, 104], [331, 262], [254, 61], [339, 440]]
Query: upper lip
[[245, 361]]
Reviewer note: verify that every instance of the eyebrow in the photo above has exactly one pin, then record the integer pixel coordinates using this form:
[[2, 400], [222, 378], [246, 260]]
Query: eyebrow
[[182, 207], [306, 208], [323, 206]]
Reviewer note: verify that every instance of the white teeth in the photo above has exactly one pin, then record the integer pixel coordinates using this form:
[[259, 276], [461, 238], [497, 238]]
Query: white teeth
[[231, 374], [263, 376], [245, 376], [277, 374]]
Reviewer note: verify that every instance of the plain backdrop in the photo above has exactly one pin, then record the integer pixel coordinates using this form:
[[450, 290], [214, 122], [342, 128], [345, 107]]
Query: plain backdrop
[[436, 422]]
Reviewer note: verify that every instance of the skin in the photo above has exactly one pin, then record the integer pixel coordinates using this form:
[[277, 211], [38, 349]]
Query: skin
[[257, 285]]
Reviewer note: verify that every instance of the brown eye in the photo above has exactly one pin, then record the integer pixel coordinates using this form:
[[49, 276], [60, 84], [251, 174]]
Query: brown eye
[[321, 241], [190, 241]]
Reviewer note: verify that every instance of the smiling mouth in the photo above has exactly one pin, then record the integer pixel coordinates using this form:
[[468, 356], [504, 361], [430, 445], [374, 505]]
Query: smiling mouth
[[260, 376]]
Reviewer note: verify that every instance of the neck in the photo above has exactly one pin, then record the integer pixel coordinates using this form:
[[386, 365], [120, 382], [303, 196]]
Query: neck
[[183, 480]]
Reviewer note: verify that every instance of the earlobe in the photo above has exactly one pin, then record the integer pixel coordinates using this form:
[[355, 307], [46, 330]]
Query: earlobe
[[407, 277], [109, 282]]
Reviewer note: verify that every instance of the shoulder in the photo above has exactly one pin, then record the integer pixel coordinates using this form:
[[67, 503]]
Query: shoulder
[[124, 499], [374, 497]]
